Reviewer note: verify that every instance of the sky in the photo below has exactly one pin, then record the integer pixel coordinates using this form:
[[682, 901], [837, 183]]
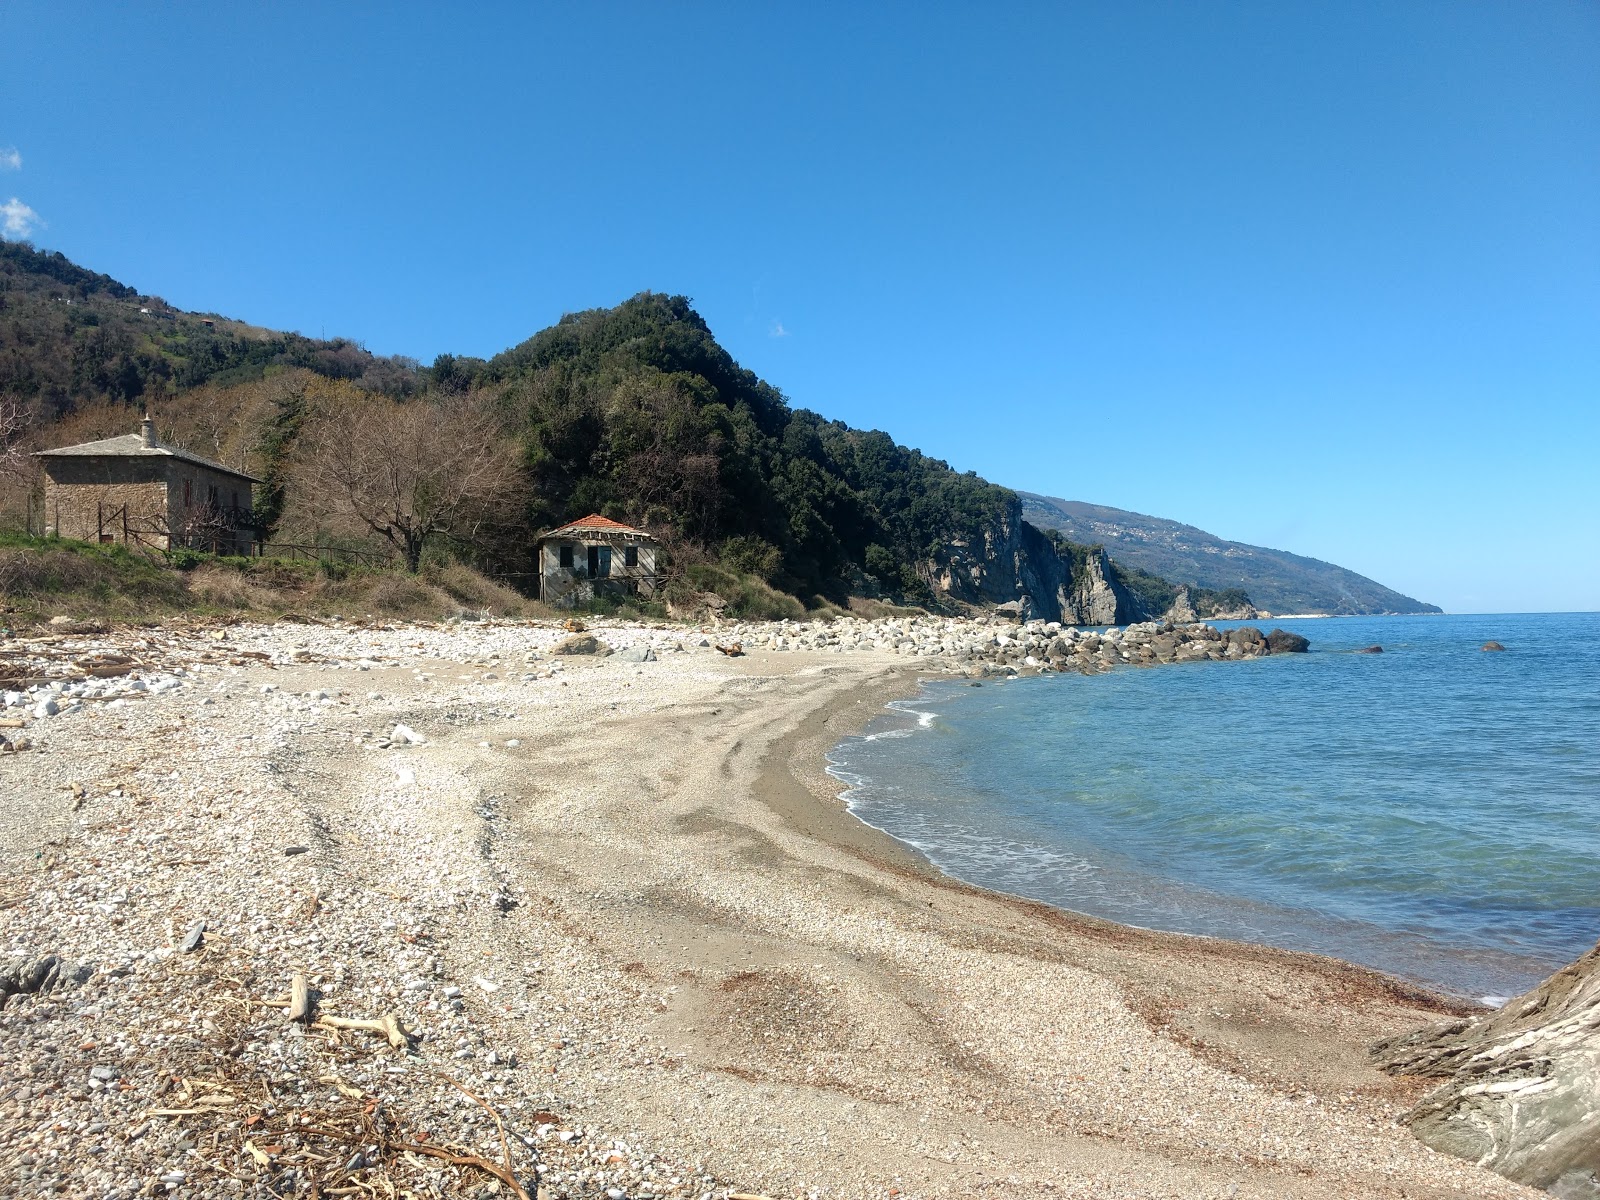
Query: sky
[[1321, 277]]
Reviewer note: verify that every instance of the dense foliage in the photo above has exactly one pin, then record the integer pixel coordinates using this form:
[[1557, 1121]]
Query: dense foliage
[[70, 337], [636, 412]]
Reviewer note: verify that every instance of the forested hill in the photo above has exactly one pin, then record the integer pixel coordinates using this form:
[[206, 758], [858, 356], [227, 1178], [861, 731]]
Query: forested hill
[[637, 411], [634, 411], [1276, 580], [70, 337]]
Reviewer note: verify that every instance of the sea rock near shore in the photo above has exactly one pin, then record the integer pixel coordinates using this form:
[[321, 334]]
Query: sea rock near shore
[[1281, 641], [1520, 1090], [1492, 646]]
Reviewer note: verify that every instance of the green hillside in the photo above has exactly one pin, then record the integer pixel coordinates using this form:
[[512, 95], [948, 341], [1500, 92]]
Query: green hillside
[[70, 337], [1275, 580]]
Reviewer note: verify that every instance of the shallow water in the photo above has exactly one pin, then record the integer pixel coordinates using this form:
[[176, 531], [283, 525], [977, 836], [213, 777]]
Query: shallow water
[[1433, 811]]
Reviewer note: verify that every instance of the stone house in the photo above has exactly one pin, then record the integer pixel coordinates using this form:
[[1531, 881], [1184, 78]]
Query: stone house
[[135, 490], [595, 556]]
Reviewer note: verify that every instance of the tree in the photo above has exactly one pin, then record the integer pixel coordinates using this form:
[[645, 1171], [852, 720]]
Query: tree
[[409, 472], [13, 421]]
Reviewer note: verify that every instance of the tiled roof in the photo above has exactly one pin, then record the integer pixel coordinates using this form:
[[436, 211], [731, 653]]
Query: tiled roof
[[595, 523], [131, 445]]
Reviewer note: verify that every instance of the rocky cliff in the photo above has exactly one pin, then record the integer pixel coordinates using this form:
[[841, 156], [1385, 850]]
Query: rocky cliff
[[1519, 1089], [1276, 580], [1017, 564]]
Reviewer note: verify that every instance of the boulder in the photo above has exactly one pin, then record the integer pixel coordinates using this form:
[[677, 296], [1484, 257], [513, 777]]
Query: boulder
[[1370, 650], [1281, 641], [581, 643], [636, 654], [1492, 646], [1519, 1088]]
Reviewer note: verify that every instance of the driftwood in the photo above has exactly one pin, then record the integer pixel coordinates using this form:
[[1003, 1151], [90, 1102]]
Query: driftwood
[[735, 650], [299, 998], [388, 1025], [1520, 1087]]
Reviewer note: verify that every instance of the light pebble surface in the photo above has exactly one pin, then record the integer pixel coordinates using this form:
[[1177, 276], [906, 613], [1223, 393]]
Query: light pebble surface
[[616, 901]]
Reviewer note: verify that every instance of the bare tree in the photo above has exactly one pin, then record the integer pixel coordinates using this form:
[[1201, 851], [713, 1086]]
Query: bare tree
[[13, 421], [408, 471]]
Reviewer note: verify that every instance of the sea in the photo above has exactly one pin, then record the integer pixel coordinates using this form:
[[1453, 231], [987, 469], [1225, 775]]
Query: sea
[[1432, 811]]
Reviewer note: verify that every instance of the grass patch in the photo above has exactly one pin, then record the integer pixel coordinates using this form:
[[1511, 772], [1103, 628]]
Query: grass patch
[[45, 577], [749, 597]]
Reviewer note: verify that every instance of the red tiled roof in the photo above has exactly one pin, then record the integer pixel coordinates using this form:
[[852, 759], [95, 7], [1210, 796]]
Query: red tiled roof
[[595, 523]]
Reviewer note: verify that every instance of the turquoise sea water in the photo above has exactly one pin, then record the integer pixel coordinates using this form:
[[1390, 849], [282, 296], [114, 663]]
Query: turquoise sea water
[[1433, 811]]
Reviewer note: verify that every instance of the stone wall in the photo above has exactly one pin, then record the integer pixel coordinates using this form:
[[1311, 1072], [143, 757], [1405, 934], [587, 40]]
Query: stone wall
[[191, 489], [82, 495], [560, 586], [163, 497]]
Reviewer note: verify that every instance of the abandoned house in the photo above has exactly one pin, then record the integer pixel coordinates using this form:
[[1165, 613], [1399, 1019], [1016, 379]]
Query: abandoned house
[[595, 556], [135, 490]]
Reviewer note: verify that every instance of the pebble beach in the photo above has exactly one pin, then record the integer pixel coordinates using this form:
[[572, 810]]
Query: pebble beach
[[597, 925]]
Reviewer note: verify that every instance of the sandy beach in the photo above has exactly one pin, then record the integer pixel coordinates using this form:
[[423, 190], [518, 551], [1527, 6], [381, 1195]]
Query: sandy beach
[[620, 904]]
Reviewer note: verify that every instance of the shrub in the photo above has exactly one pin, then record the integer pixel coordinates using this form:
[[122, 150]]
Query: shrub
[[751, 555], [403, 596]]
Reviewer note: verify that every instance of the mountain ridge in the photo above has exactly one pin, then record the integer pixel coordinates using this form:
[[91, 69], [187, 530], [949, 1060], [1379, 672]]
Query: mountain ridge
[[1278, 581]]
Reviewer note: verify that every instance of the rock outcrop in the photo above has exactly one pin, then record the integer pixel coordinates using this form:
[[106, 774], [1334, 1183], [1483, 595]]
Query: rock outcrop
[[997, 643], [1017, 562], [1182, 610], [1520, 1090], [1283, 642]]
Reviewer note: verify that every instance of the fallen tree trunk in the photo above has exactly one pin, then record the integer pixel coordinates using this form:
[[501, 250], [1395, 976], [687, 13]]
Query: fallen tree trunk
[[1520, 1090]]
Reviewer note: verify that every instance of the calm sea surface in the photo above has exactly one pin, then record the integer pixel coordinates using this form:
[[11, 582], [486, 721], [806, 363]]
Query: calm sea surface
[[1433, 811]]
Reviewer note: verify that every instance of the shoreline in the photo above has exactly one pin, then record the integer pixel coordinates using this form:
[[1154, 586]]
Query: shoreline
[[846, 828], [808, 798], [620, 902]]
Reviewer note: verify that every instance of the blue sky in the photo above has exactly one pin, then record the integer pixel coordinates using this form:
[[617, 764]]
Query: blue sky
[[1320, 277]]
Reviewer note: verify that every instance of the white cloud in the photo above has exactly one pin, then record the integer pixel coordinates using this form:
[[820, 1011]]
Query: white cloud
[[17, 220], [10, 158], [777, 330]]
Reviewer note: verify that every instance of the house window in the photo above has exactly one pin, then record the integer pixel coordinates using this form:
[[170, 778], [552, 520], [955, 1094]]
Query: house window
[[566, 558], [188, 494], [599, 562], [630, 556]]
